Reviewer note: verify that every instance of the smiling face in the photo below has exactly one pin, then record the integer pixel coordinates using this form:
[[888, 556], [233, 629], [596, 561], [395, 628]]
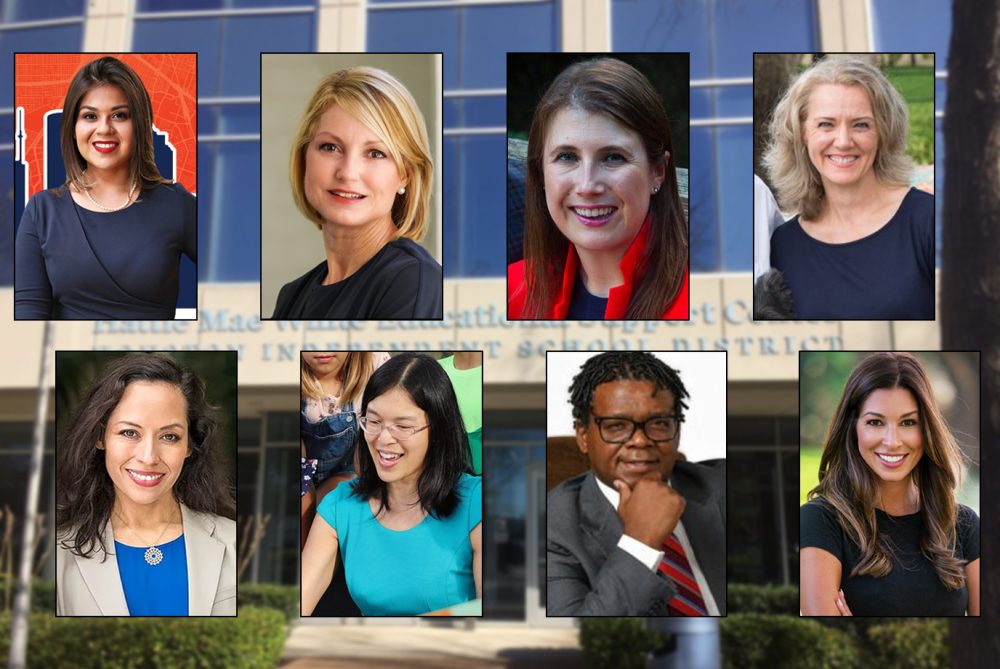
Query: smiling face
[[598, 180], [105, 136], [397, 460], [638, 457], [146, 442], [350, 177], [890, 433], [840, 134]]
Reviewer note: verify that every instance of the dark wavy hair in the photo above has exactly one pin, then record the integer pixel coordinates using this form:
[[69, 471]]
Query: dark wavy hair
[[448, 452], [85, 494], [109, 71], [615, 89], [850, 487], [623, 366]]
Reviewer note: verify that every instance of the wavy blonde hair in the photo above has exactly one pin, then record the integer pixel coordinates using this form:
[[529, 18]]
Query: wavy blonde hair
[[354, 375], [385, 107], [796, 181], [850, 487]]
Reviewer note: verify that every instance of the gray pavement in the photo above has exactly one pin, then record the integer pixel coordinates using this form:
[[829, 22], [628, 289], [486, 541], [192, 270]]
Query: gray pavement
[[429, 645]]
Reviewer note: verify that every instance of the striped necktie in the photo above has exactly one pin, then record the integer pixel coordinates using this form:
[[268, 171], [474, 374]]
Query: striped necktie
[[675, 567]]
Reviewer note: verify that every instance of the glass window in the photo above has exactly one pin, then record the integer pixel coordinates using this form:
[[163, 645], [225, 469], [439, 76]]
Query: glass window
[[283, 427], [720, 35], [790, 478], [504, 532], [180, 5], [248, 433], [228, 66], [474, 58], [12, 11], [278, 560], [753, 528], [6, 225]]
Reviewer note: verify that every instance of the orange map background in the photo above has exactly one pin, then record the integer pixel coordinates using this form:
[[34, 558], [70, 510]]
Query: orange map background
[[41, 80]]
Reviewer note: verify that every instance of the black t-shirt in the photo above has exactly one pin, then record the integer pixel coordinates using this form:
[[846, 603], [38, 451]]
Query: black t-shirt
[[401, 281], [912, 587], [888, 275]]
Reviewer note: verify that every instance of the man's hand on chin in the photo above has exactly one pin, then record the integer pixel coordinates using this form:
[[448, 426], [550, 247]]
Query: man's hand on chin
[[649, 509]]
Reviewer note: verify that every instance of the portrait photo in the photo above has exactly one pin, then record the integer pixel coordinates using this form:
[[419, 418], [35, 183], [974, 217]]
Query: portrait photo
[[890, 483], [105, 179], [636, 477], [392, 474], [597, 186], [351, 186], [145, 483], [844, 186]]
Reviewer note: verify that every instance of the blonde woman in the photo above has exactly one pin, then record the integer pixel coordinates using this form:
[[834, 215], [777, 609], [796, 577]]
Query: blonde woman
[[361, 172], [332, 384], [837, 157]]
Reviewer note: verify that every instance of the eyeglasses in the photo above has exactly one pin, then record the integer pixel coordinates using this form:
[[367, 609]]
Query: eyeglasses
[[618, 430], [373, 428]]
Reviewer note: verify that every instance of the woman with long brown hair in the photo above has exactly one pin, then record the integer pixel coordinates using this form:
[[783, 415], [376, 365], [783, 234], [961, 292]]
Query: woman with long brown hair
[[108, 242], [883, 533], [605, 236]]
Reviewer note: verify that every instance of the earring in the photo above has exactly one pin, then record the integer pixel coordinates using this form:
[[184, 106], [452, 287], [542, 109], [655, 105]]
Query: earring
[[656, 189], [402, 189]]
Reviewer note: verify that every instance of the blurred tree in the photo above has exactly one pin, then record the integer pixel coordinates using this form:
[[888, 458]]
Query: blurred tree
[[970, 276], [771, 75]]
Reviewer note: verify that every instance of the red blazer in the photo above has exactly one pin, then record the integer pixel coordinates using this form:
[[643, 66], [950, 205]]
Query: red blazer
[[618, 298]]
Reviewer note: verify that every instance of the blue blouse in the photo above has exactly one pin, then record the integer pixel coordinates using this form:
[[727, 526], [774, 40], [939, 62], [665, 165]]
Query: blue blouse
[[154, 590], [404, 573]]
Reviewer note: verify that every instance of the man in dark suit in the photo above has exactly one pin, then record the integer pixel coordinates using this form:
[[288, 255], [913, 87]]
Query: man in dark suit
[[642, 533]]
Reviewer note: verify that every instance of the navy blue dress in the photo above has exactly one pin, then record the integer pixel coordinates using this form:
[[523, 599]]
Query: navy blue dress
[[888, 275], [72, 263], [402, 281]]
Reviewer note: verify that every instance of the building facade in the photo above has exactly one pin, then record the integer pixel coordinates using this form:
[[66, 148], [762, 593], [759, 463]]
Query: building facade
[[762, 363]]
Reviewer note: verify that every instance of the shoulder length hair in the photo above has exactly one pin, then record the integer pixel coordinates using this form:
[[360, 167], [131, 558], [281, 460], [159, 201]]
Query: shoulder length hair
[[384, 106], [448, 452], [796, 181], [851, 488], [109, 71], [355, 373], [85, 494], [616, 89]]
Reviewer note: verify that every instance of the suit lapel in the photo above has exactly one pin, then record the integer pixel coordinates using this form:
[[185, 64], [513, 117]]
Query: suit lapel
[[103, 579], [204, 561], [600, 523], [706, 532]]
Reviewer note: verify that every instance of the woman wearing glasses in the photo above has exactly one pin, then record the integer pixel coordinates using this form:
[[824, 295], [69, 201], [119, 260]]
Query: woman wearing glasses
[[415, 499]]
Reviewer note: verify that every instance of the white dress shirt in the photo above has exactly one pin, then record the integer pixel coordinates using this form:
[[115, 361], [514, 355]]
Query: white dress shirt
[[651, 557]]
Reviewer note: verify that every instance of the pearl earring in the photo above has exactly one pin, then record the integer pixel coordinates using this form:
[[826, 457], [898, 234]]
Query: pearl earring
[[656, 189], [402, 189]]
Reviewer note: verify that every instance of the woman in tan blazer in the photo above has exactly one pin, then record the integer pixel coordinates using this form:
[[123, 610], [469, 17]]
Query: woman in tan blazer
[[144, 502]]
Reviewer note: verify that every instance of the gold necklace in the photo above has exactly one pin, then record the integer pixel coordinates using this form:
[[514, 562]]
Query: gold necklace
[[153, 555], [128, 200]]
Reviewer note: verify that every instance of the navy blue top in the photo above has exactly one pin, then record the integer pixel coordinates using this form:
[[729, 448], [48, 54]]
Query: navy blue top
[[154, 590], [402, 280], [72, 263], [583, 306], [912, 587], [888, 275]]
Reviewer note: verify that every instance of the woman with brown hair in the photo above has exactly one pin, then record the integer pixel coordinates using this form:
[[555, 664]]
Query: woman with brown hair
[[883, 534], [107, 243], [144, 501], [605, 236]]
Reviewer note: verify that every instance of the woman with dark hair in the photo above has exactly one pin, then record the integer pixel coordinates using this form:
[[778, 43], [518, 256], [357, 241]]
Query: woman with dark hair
[[107, 243], [141, 480], [605, 236], [415, 501], [883, 534]]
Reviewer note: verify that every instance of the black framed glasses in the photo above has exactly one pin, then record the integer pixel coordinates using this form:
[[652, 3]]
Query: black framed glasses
[[373, 428], [618, 430]]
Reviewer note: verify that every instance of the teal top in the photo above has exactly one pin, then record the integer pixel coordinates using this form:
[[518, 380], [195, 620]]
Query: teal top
[[422, 569]]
